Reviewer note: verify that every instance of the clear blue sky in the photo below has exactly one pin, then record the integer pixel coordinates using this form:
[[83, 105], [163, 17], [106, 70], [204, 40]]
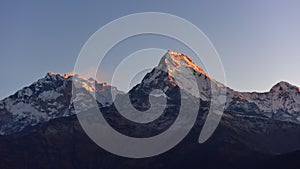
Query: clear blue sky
[[258, 41]]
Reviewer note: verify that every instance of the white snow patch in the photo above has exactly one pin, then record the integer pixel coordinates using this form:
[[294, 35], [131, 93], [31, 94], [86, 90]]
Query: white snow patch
[[27, 92], [49, 95], [23, 110], [8, 103]]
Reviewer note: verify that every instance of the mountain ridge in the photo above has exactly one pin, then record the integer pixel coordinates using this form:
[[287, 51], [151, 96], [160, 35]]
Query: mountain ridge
[[37, 103]]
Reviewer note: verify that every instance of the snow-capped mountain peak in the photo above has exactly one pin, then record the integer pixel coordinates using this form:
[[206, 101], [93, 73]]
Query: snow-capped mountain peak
[[49, 98], [173, 60], [283, 86], [178, 69], [282, 102]]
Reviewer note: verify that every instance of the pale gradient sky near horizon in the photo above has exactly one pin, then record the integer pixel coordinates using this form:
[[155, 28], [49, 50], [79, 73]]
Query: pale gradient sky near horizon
[[258, 41]]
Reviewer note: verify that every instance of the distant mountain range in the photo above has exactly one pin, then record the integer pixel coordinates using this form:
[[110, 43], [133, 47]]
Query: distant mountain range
[[39, 128]]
